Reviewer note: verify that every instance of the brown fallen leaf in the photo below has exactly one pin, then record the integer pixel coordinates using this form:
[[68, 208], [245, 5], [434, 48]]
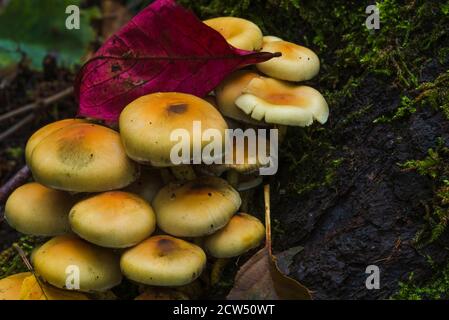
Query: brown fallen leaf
[[260, 279]]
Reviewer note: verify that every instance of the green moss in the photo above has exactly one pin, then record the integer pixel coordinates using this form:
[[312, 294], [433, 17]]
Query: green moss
[[429, 94], [10, 260], [435, 166], [436, 288]]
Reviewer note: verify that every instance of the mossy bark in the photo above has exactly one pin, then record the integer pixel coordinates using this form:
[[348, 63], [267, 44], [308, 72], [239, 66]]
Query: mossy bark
[[341, 193]]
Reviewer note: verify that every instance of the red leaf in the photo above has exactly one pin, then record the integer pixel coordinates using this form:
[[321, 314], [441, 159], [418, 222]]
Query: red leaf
[[163, 48]]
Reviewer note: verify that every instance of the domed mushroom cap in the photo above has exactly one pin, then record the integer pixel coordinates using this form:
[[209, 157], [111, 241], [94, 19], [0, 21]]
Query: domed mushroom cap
[[147, 185], [83, 158], [146, 124], [163, 261], [280, 102], [229, 90], [113, 219], [241, 234], [11, 285], [38, 210], [196, 208], [43, 132], [238, 32], [297, 63], [99, 268]]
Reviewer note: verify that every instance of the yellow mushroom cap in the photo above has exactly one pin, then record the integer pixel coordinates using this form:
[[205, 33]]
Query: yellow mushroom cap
[[147, 123], [229, 90], [83, 158], [147, 185], [196, 208], [163, 261], [297, 63], [113, 219], [43, 132], [241, 234], [38, 210], [283, 103], [11, 285], [99, 268], [238, 32]]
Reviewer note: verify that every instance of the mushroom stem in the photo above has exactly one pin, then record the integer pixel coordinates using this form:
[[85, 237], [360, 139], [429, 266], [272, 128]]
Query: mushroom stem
[[233, 178], [246, 195], [217, 270], [183, 172]]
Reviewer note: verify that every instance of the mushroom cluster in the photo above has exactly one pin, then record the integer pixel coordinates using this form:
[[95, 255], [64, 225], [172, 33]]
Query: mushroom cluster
[[114, 204]]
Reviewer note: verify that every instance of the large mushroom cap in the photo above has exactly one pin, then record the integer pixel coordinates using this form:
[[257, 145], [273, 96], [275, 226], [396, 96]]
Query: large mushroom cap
[[229, 90], [99, 268], [283, 103], [196, 208], [10, 286], [38, 210], [147, 123], [297, 63], [113, 219], [241, 234], [43, 132], [163, 261], [238, 32], [83, 158]]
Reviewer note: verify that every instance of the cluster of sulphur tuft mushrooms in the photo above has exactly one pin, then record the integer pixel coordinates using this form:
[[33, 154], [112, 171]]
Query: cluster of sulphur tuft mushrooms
[[113, 204]]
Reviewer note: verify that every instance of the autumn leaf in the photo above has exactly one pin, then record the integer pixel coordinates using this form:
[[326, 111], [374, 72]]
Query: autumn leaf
[[260, 278], [163, 48], [32, 289]]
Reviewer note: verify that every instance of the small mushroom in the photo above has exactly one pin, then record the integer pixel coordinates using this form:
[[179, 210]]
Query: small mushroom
[[43, 132], [163, 261], [37, 210], [297, 63], [99, 268], [11, 285], [82, 158], [113, 219], [195, 208], [238, 32], [147, 124], [229, 90], [242, 233], [282, 103]]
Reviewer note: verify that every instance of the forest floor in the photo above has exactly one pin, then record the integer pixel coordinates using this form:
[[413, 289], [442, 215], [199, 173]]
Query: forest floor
[[370, 187]]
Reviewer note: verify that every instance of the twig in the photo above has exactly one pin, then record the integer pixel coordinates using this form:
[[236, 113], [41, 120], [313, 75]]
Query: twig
[[30, 268], [16, 127], [38, 104], [17, 180]]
